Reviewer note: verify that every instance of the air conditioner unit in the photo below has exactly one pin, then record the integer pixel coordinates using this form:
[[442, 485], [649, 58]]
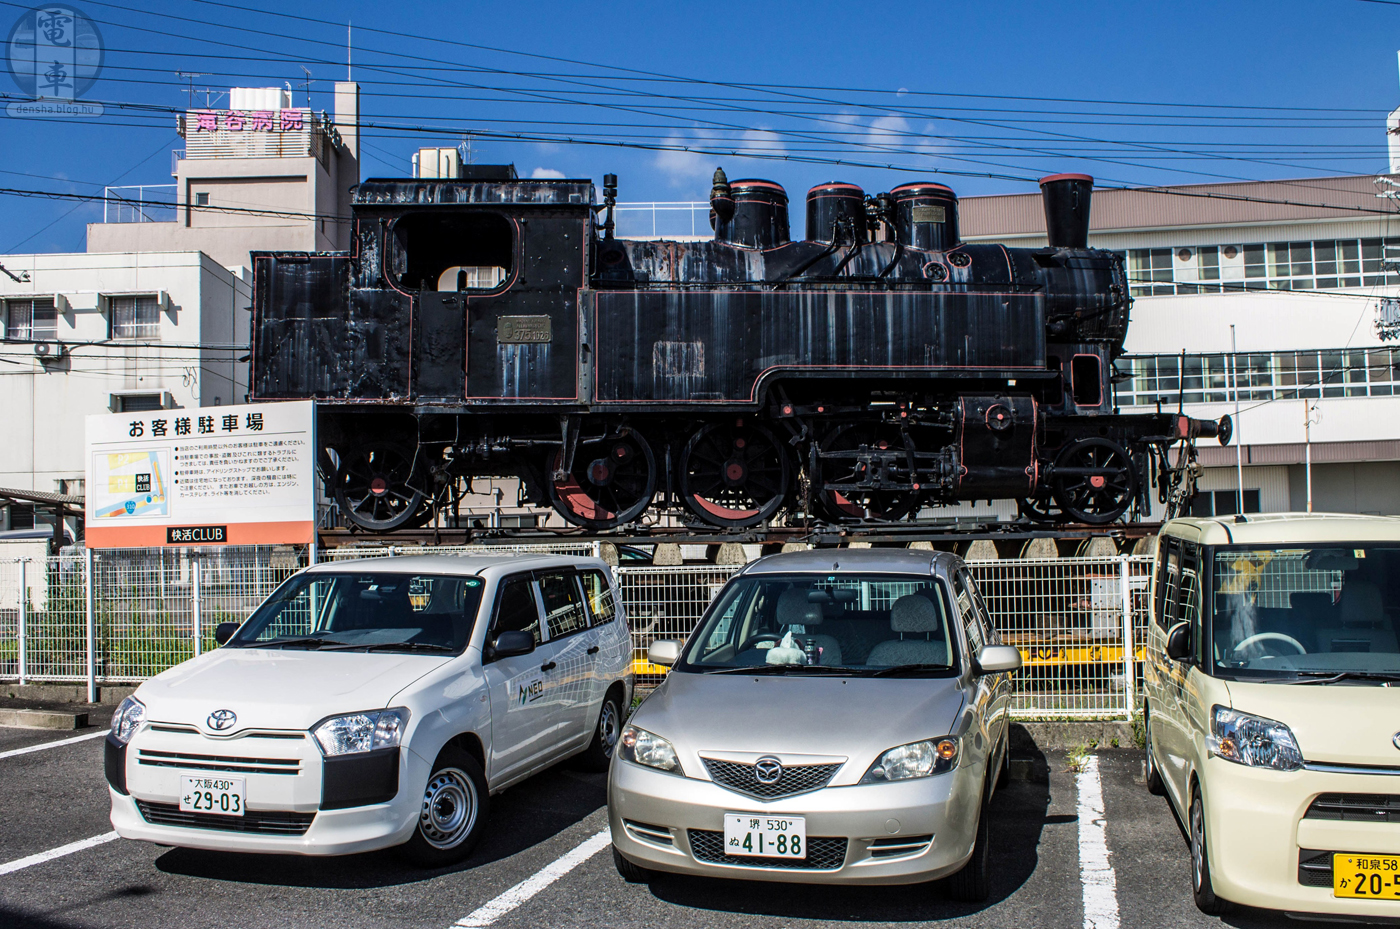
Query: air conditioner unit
[[49, 352]]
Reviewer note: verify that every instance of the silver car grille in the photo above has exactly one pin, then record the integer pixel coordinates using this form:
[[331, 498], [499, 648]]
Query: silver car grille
[[824, 853], [795, 779]]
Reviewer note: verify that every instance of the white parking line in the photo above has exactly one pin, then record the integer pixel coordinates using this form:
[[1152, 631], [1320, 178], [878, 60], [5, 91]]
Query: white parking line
[[1095, 871], [43, 745], [492, 910], [21, 863]]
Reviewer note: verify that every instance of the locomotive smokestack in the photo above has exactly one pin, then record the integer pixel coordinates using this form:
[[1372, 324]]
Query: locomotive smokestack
[[1066, 199]]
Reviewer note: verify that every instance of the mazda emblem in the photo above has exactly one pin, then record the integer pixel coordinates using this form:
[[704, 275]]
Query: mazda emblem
[[219, 720], [768, 770]]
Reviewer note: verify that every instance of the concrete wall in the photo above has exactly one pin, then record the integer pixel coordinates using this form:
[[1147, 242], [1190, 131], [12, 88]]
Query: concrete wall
[[1354, 487]]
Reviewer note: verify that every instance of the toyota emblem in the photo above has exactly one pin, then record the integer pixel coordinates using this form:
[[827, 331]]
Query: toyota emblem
[[1396, 739], [768, 770], [219, 720]]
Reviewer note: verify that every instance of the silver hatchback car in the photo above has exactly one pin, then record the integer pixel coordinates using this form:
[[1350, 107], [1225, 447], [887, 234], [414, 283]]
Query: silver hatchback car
[[837, 716]]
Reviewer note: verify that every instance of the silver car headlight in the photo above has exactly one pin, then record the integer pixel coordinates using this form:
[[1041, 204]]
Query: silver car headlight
[[647, 748], [361, 732], [1253, 740], [917, 759], [130, 714]]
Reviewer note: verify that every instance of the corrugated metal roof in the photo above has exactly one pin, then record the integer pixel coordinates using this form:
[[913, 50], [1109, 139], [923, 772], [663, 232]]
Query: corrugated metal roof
[[1293, 453], [1314, 198]]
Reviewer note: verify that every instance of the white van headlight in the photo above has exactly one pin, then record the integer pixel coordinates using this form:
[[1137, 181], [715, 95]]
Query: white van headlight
[[917, 759], [647, 748], [361, 732], [130, 714], [1253, 740]]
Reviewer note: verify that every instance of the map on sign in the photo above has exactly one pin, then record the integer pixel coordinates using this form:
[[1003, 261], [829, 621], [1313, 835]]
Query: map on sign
[[130, 484]]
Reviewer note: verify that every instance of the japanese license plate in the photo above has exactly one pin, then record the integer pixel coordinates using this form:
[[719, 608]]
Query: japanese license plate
[[222, 796], [1370, 876], [765, 836]]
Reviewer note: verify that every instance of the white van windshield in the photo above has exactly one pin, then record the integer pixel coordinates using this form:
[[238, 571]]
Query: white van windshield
[[366, 610], [1306, 610], [826, 624]]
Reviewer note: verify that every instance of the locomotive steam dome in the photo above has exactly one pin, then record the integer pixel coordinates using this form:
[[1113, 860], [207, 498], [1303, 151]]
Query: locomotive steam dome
[[926, 215], [760, 217], [832, 205]]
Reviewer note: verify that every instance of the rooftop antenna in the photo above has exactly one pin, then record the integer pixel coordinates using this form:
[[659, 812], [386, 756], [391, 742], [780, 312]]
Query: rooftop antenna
[[347, 51], [190, 76], [306, 84]]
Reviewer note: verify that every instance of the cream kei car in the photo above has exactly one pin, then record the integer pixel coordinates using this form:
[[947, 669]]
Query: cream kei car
[[1272, 711]]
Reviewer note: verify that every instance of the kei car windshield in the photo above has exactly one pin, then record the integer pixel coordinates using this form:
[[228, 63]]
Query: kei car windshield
[[817, 624], [366, 609], [1305, 610]]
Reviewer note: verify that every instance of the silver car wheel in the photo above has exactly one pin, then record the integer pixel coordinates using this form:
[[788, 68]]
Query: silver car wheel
[[449, 808], [1198, 843], [609, 726]]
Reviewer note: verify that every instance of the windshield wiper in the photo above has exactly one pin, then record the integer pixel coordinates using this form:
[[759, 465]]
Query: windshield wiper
[[407, 646], [303, 642], [785, 669], [1326, 677], [907, 669]]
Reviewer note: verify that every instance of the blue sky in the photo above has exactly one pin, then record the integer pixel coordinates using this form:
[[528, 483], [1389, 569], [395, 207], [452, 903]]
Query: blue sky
[[1194, 92]]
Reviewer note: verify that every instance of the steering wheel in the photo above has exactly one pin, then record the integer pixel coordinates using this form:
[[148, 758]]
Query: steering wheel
[[1269, 637], [760, 637]]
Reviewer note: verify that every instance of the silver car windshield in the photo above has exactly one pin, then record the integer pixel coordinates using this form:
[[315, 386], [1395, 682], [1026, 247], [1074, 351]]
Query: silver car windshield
[[826, 624], [366, 611], [1306, 611]]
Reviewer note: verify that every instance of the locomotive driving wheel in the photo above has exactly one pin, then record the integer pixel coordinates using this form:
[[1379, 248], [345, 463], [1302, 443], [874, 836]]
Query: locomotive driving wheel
[[1094, 481], [374, 488], [611, 483], [846, 459], [733, 474]]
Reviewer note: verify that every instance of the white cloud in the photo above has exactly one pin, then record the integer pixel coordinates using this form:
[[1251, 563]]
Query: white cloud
[[546, 173], [889, 131], [683, 168]]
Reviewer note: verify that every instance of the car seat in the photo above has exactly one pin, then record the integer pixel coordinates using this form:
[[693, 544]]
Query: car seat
[[794, 609], [919, 624], [1363, 620]]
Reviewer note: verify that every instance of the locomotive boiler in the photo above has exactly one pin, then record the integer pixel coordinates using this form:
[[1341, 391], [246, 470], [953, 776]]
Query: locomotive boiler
[[493, 327]]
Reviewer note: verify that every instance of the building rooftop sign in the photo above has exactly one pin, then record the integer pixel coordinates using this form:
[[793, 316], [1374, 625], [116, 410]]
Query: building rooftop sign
[[274, 133]]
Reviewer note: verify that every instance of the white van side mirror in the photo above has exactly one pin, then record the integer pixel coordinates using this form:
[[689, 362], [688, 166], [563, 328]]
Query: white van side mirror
[[997, 658], [665, 652]]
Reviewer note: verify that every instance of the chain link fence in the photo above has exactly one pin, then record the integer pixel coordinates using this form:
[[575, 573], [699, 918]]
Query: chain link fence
[[1080, 623]]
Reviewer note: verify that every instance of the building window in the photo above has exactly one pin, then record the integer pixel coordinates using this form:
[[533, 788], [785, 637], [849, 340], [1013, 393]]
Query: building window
[[31, 320], [201, 199], [1325, 264], [135, 318], [136, 403], [21, 516], [1260, 375], [1224, 502]]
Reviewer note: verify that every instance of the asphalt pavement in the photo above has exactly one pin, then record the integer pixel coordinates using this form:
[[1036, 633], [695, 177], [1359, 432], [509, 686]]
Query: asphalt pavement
[[544, 864]]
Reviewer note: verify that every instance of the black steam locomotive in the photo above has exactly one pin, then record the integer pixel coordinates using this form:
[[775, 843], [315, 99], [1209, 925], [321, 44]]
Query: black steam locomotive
[[493, 327]]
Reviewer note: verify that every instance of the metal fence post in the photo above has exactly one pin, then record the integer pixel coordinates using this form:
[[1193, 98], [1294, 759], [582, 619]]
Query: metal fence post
[[196, 611], [23, 623], [1129, 646], [91, 584]]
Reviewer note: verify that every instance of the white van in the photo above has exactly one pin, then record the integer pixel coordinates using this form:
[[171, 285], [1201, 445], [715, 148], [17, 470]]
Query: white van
[[1273, 709], [376, 703]]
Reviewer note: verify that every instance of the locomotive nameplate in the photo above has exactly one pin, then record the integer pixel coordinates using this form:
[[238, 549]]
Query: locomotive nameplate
[[929, 214], [523, 330]]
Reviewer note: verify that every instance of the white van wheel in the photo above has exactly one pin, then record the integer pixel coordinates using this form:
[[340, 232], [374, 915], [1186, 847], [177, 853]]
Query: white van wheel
[[599, 753], [452, 812]]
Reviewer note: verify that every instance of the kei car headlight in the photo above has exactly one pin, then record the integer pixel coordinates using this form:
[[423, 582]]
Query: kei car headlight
[[647, 748], [130, 714], [917, 759], [361, 732], [1253, 740]]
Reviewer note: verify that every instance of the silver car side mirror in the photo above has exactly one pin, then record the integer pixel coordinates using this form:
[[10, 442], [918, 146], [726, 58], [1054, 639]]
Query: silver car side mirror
[[664, 652], [997, 658]]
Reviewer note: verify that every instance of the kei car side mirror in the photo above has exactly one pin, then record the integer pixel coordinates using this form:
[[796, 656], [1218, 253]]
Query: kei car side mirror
[[224, 631], [997, 658], [664, 652], [1179, 642], [511, 643]]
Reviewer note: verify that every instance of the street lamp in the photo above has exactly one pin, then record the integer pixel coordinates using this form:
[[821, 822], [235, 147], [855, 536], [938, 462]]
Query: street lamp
[[1311, 415]]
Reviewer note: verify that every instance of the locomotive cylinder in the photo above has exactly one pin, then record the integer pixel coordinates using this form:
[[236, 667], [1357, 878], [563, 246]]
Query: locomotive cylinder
[[834, 206], [760, 218], [926, 215], [1066, 198]]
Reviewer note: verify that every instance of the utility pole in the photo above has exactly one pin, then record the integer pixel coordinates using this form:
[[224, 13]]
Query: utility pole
[[1310, 416], [1239, 442]]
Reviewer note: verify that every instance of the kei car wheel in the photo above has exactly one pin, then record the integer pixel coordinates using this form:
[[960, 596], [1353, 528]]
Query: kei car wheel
[[452, 814], [599, 753], [1153, 775], [970, 885], [1206, 900], [631, 873]]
